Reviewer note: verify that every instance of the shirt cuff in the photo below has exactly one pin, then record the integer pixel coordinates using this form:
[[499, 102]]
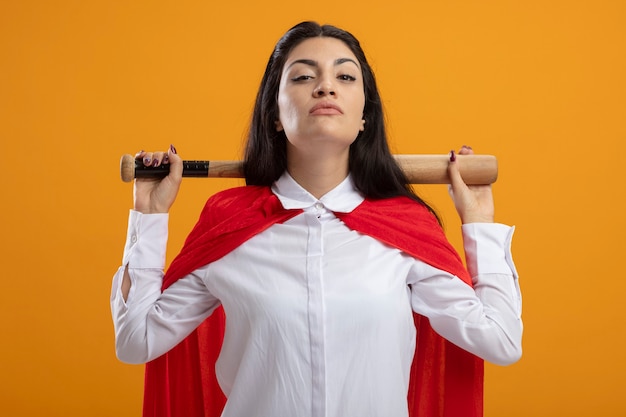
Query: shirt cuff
[[146, 240], [488, 248]]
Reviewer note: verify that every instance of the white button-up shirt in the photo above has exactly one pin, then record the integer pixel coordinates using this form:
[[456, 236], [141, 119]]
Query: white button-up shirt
[[319, 317]]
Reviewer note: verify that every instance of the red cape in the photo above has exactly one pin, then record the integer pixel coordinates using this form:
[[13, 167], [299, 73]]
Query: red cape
[[446, 381]]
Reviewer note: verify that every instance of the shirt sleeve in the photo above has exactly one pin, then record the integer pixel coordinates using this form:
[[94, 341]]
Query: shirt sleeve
[[484, 320], [151, 322]]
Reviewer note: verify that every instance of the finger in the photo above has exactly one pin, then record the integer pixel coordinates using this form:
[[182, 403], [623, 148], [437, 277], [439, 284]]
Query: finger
[[466, 150], [176, 162], [456, 181], [157, 158], [147, 158]]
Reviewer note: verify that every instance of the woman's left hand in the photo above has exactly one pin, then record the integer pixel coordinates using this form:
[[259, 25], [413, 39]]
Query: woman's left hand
[[474, 203]]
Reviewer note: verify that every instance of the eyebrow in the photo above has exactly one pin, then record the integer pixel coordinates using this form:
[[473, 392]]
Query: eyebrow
[[313, 63]]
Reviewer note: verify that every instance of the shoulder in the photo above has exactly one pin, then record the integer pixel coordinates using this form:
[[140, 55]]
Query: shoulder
[[399, 216], [398, 207], [238, 195], [410, 226], [227, 202]]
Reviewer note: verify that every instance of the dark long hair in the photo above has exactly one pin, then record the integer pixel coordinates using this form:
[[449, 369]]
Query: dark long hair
[[372, 166]]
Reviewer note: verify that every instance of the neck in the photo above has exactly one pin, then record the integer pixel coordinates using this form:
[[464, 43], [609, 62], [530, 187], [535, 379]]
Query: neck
[[318, 175]]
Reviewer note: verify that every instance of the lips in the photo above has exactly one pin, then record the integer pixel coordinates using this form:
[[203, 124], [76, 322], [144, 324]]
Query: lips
[[325, 108]]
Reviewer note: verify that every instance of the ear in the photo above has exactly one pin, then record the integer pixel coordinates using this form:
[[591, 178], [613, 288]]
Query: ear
[[279, 126], [362, 125]]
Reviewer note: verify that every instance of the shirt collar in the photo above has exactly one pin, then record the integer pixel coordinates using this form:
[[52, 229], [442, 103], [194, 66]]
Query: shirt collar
[[343, 198]]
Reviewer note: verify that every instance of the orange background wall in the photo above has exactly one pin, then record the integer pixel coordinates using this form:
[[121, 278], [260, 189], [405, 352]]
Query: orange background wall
[[540, 84]]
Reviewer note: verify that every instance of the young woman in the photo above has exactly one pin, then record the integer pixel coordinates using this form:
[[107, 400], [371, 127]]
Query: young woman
[[331, 272]]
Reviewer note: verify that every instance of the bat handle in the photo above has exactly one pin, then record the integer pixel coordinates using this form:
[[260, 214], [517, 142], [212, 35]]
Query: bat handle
[[131, 168]]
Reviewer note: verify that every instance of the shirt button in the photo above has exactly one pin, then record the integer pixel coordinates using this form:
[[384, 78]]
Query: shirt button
[[319, 206], [133, 238]]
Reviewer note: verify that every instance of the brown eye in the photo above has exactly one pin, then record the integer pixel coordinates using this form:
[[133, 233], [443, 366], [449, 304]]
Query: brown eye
[[302, 78]]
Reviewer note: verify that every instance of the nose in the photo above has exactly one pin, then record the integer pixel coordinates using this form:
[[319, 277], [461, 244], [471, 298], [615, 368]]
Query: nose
[[321, 92], [324, 88]]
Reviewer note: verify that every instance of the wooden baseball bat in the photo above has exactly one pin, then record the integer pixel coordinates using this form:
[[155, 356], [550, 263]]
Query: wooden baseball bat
[[419, 169]]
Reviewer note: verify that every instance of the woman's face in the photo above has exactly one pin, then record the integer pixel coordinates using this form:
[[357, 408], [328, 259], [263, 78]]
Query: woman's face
[[320, 97]]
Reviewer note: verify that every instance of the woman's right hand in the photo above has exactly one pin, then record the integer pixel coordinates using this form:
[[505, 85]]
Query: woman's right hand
[[156, 195]]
